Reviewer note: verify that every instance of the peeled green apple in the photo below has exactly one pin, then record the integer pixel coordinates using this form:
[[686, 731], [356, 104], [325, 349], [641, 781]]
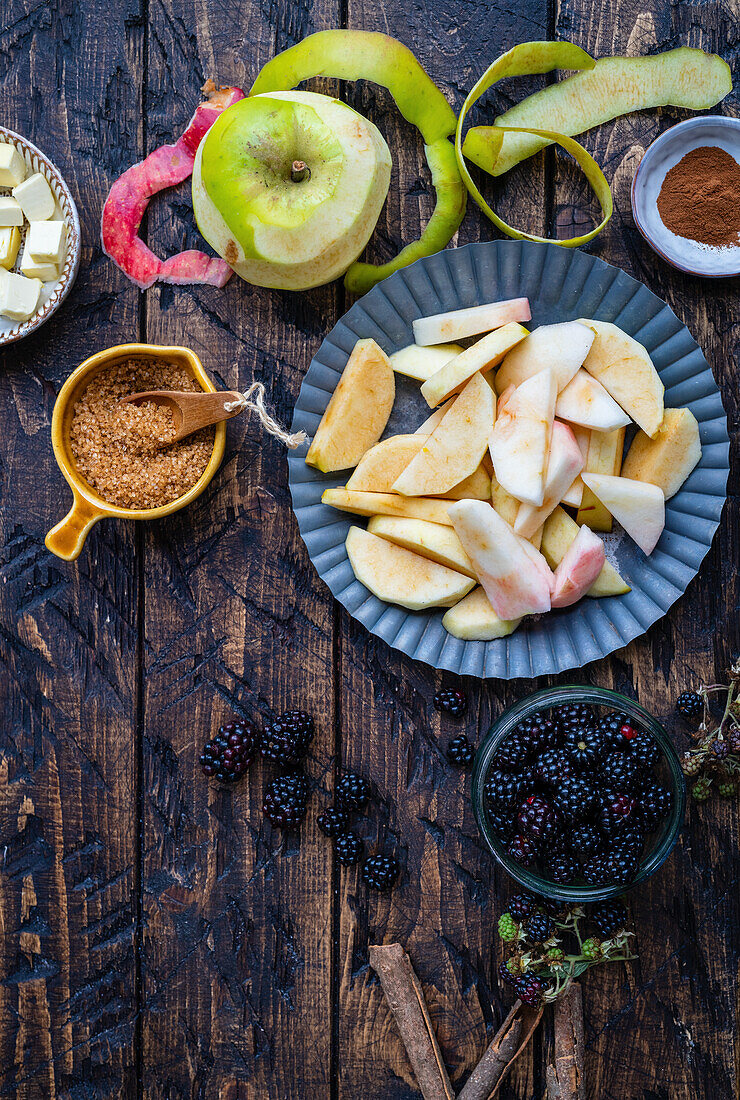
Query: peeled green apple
[[474, 620], [399, 576], [279, 224]]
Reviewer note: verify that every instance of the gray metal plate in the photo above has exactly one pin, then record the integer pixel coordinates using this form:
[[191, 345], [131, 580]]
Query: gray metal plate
[[561, 284]]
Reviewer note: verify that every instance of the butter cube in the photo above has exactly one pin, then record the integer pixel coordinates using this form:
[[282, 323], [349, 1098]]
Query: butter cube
[[10, 242], [12, 166], [10, 211], [35, 197], [45, 242], [38, 269], [19, 297]]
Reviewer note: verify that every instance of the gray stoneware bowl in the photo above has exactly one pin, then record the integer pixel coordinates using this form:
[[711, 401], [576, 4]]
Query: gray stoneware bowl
[[561, 284]]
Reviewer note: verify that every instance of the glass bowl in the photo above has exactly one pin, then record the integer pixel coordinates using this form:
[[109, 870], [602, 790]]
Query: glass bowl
[[668, 770]]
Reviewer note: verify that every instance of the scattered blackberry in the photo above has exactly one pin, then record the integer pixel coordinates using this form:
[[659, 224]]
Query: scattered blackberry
[[286, 740], [451, 702], [617, 810], [553, 906], [501, 823], [506, 974], [563, 868], [538, 732], [609, 917], [522, 850], [333, 821], [352, 792], [733, 738], [538, 928], [644, 750], [727, 789], [691, 764], [591, 949], [719, 748], [585, 840], [512, 754], [584, 747], [348, 847], [502, 789], [538, 819], [380, 872], [701, 790], [621, 772], [529, 990], [573, 716], [508, 929], [522, 906], [655, 804], [228, 755], [460, 751], [551, 767], [284, 803], [574, 797], [611, 727], [691, 705]]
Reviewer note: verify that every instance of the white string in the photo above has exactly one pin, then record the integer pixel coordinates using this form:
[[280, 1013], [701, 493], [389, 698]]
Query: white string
[[270, 424]]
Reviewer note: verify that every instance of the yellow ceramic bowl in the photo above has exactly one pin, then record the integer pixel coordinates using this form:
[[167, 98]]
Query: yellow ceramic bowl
[[68, 537]]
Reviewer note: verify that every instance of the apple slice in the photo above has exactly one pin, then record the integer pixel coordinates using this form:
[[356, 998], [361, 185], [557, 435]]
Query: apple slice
[[626, 372], [505, 504], [668, 458], [558, 533], [434, 418], [584, 401], [637, 505], [387, 504], [505, 395], [475, 487], [561, 348], [564, 464], [604, 457], [456, 325], [481, 356], [431, 540], [381, 465], [581, 565], [474, 620], [358, 411], [520, 440], [515, 576], [396, 575], [422, 363], [574, 495], [455, 447]]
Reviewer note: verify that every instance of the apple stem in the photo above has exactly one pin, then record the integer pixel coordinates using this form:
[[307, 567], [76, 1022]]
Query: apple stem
[[299, 171]]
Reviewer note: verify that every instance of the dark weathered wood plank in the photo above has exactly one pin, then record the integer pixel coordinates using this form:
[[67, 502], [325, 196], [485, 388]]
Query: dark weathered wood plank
[[679, 997], [70, 81], [237, 949]]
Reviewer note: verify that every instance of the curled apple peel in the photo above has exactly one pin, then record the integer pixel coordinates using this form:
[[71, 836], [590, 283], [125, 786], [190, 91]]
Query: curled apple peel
[[129, 197]]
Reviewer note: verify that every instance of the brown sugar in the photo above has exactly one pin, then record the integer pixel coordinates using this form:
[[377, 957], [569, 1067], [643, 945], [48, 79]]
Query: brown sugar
[[125, 451], [700, 197]]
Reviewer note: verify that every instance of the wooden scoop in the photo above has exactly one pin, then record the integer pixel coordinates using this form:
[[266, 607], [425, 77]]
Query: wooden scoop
[[193, 410]]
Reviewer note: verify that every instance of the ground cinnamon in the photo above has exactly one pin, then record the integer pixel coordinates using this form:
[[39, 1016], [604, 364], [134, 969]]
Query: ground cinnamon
[[700, 197]]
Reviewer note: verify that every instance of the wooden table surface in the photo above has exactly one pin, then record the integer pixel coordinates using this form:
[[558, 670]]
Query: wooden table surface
[[157, 938]]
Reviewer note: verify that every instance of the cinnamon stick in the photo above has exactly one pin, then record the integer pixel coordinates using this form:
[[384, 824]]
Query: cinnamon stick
[[565, 1079], [508, 1043], [405, 999]]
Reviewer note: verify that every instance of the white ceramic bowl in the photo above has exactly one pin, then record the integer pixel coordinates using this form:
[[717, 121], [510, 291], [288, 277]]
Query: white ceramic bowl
[[52, 293], [663, 154]]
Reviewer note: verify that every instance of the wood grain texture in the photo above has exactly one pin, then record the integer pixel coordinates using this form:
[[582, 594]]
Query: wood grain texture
[[70, 80]]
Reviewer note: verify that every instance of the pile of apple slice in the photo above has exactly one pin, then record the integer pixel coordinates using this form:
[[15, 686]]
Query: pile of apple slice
[[491, 507]]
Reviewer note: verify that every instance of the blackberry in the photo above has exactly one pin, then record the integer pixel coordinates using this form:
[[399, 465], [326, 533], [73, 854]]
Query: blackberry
[[585, 840], [610, 726], [352, 792], [512, 754], [609, 917], [284, 803], [630, 839], [553, 906], [538, 732], [502, 789], [644, 751], [333, 821], [538, 928], [691, 705], [573, 716], [522, 906], [286, 740], [621, 866], [538, 818], [563, 868], [506, 974], [726, 789], [522, 850], [574, 797], [617, 811], [501, 823], [719, 748], [655, 804], [228, 755], [594, 870], [460, 751], [529, 990], [380, 872], [691, 764], [621, 772], [451, 702], [551, 767], [591, 949], [508, 929], [584, 747], [348, 848], [702, 789]]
